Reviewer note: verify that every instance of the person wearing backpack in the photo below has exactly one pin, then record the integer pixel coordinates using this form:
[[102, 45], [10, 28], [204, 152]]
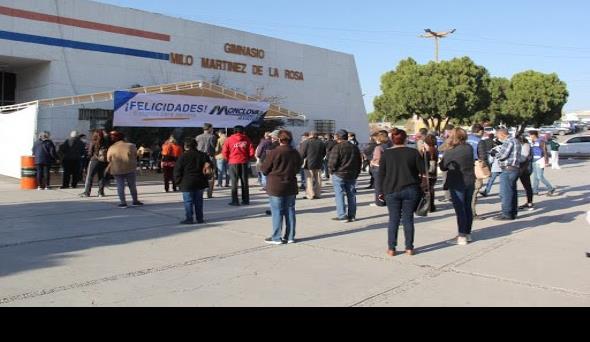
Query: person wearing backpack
[[98, 164]]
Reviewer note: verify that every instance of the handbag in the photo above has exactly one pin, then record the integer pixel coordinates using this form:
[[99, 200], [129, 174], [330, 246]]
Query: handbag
[[482, 171], [424, 204]]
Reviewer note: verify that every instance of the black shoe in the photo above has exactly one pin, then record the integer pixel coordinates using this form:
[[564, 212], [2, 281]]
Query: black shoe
[[340, 219], [484, 194], [245, 203], [268, 213], [587, 255], [503, 218], [64, 187], [234, 204], [123, 206], [551, 193], [352, 219], [527, 207], [137, 204], [187, 222], [200, 221]]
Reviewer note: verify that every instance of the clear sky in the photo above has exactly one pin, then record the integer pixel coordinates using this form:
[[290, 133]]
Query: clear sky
[[504, 36]]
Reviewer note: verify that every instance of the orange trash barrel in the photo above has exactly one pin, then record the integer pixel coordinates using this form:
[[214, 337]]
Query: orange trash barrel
[[28, 179]]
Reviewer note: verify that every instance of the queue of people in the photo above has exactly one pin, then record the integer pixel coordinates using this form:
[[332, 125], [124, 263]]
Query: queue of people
[[401, 175]]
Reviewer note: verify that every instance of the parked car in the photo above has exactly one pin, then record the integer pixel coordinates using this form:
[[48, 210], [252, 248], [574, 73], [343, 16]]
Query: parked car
[[555, 130], [576, 147]]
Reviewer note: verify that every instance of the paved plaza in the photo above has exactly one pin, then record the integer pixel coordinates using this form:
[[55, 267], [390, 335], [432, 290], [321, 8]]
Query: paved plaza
[[59, 250]]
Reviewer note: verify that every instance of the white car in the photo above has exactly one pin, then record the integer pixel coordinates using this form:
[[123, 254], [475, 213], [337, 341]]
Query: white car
[[576, 147]]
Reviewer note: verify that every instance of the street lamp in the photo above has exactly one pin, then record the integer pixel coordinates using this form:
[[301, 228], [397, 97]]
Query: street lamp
[[437, 36]]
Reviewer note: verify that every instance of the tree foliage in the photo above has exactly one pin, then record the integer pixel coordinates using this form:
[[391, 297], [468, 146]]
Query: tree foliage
[[534, 98], [435, 92]]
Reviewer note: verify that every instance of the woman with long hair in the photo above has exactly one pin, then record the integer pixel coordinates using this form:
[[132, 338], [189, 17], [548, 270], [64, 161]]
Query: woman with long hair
[[430, 152], [98, 163], [458, 162], [399, 177]]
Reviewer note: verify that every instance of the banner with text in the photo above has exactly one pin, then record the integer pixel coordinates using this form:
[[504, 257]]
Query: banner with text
[[158, 110]]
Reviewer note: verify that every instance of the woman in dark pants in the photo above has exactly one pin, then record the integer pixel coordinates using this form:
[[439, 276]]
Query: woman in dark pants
[[458, 162], [45, 155], [399, 177], [526, 170], [431, 152]]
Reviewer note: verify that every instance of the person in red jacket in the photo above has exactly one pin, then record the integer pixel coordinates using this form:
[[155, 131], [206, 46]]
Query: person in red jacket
[[238, 150]]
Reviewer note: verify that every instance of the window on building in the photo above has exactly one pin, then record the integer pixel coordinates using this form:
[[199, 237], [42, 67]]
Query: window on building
[[295, 123], [7, 88], [325, 126], [98, 117]]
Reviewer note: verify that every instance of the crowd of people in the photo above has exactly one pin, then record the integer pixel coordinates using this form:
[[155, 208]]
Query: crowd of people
[[403, 177]]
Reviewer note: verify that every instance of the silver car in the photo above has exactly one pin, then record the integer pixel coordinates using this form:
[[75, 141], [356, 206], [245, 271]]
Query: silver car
[[555, 130], [576, 147]]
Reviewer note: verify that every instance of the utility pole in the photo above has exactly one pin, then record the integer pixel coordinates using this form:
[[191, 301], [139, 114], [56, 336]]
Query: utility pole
[[437, 37]]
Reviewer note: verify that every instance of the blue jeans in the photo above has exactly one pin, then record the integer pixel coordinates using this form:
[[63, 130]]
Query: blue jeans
[[492, 181], [508, 193], [401, 206], [538, 177], [262, 180], [193, 205], [222, 172], [345, 188], [462, 199], [283, 208]]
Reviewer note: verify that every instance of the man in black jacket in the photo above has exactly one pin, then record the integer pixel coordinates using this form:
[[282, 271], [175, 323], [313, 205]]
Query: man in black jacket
[[189, 176], [71, 153], [330, 143], [345, 166], [313, 152]]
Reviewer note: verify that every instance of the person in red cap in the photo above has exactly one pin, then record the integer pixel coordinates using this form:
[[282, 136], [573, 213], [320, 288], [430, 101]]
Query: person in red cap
[[122, 158], [238, 150]]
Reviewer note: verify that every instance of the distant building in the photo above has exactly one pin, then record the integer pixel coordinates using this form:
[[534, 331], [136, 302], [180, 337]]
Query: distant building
[[582, 115]]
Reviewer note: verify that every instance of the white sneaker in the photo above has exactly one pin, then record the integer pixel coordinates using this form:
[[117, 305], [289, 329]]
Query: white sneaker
[[372, 205], [462, 241], [39, 188]]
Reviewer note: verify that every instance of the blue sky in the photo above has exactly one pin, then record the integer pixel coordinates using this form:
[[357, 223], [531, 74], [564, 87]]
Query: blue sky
[[504, 36]]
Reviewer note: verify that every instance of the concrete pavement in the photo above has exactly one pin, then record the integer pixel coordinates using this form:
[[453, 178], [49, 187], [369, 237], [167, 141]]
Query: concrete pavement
[[59, 250]]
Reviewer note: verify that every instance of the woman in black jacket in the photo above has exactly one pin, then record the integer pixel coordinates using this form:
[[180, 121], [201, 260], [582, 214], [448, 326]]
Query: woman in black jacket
[[399, 176], [189, 175], [458, 162]]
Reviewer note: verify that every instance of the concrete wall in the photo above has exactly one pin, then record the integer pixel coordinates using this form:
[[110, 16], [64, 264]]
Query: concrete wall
[[331, 89]]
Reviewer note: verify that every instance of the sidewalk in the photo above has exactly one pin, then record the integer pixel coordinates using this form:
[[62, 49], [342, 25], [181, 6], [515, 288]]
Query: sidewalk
[[59, 250]]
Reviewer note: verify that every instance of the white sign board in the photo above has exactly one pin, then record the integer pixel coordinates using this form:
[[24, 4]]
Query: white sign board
[[157, 110], [17, 136]]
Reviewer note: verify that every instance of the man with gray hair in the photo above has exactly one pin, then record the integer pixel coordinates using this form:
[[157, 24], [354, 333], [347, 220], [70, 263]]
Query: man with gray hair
[[71, 153], [45, 156]]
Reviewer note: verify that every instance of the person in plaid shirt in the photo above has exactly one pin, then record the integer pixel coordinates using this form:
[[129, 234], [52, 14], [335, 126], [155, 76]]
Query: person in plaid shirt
[[509, 157]]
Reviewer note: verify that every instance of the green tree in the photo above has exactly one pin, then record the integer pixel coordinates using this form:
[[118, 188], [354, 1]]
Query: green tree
[[435, 92], [534, 98], [498, 87]]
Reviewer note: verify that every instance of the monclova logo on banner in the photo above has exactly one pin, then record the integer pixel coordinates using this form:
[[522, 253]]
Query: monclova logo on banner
[[157, 110]]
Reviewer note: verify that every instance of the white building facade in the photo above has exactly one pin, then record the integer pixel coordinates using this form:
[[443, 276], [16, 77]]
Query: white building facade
[[58, 48]]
